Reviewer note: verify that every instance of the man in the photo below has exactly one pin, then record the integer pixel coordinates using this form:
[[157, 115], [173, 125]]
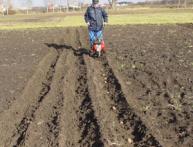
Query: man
[[96, 18]]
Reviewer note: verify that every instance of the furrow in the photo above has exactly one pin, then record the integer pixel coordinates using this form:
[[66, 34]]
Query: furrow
[[69, 131], [88, 123], [21, 114], [45, 128], [90, 129], [125, 114], [111, 129], [18, 137]]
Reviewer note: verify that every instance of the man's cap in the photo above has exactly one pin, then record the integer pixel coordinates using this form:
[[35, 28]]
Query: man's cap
[[95, 1]]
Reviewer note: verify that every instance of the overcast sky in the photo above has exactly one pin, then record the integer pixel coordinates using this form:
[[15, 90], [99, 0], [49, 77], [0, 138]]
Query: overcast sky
[[19, 3]]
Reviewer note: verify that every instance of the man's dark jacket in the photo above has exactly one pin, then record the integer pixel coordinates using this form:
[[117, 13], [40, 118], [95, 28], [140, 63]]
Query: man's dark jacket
[[95, 16]]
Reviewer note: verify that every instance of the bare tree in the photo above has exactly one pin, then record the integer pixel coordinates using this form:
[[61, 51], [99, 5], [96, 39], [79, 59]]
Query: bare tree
[[112, 3], [1, 5], [29, 4], [7, 6], [60, 5], [67, 5], [179, 3], [47, 4], [50, 5], [53, 5], [185, 3], [182, 3]]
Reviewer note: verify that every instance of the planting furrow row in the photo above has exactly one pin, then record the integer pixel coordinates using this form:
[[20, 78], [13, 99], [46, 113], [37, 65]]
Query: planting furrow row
[[111, 129], [16, 120], [46, 126], [90, 129], [125, 114]]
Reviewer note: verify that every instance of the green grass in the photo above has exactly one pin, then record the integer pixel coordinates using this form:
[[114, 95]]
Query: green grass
[[58, 20], [157, 18]]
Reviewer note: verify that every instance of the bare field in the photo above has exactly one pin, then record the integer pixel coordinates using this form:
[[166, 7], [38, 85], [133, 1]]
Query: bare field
[[138, 94], [116, 17]]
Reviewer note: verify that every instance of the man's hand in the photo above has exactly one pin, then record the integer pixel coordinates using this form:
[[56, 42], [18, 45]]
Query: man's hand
[[88, 23]]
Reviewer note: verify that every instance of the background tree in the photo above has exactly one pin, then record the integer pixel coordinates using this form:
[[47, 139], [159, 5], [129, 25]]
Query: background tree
[[179, 3], [112, 3], [7, 5], [47, 2], [60, 6], [50, 5], [185, 3], [29, 5], [1, 5], [67, 5]]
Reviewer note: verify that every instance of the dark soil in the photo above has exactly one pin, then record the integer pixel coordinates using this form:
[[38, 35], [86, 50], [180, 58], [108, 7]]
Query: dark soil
[[155, 65], [138, 94]]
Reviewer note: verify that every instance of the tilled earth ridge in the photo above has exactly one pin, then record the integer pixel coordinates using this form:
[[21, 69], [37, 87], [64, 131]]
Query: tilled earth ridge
[[121, 125], [75, 100], [154, 66], [21, 52]]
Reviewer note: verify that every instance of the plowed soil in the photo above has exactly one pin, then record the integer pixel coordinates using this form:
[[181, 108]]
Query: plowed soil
[[140, 93]]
